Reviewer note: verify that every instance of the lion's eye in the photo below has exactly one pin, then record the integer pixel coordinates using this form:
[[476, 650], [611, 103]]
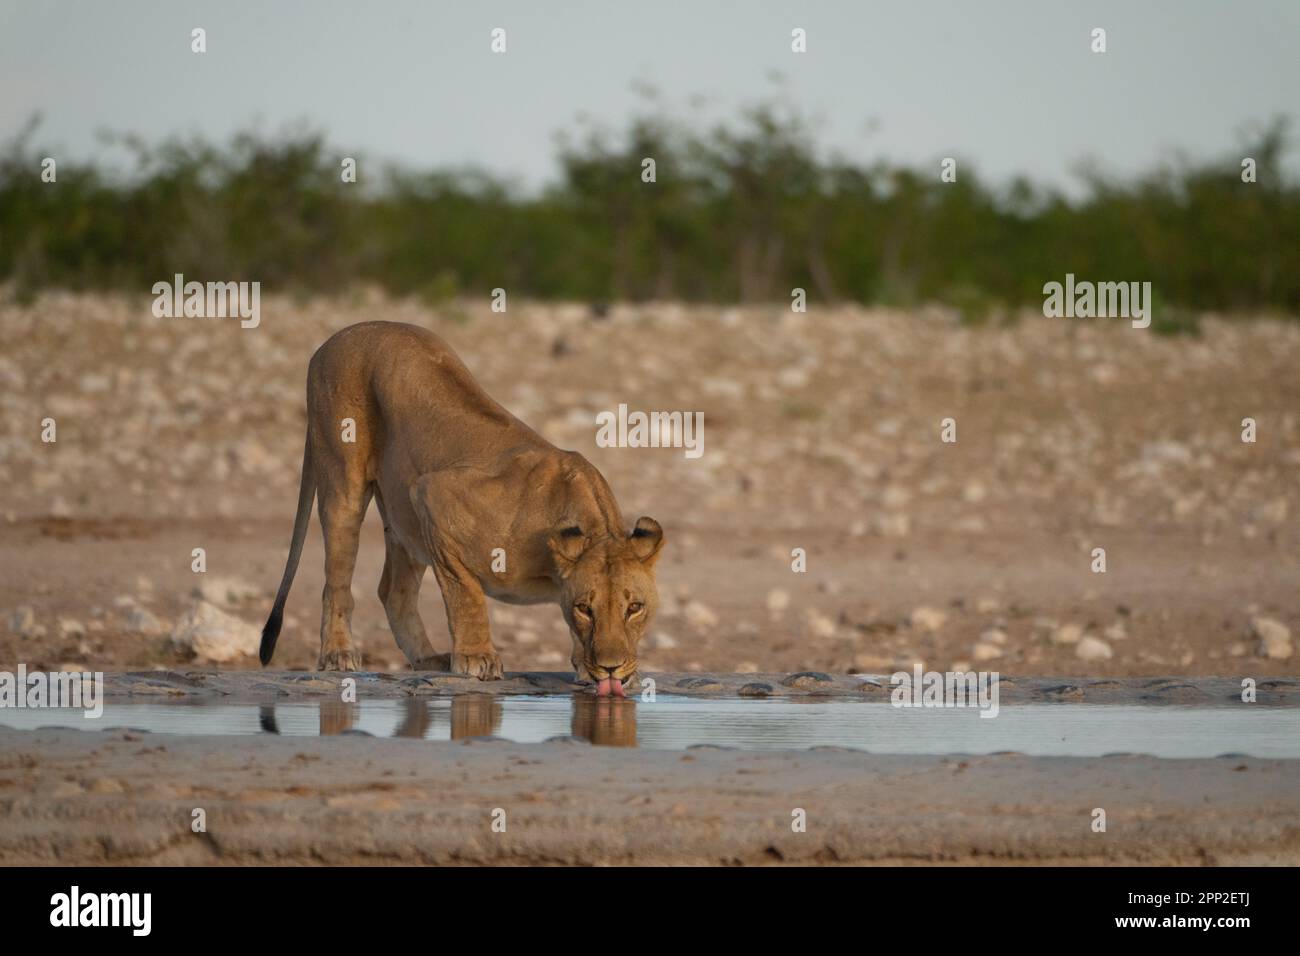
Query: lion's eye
[[582, 610], [636, 607]]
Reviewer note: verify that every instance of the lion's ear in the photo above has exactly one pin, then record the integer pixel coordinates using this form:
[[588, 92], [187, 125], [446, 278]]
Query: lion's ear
[[567, 546], [647, 540]]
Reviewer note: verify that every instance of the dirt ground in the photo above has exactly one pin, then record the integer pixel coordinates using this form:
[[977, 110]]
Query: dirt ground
[[127, 797], [822, 432]]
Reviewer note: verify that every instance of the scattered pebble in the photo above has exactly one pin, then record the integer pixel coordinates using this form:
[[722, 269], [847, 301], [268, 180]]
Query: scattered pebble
[[210, 634], [1091, 648], [699, 615], [71, 627], [142, 621], [1274, 638], [818, 624], [224, 590], [1067, 634], [927, 619]]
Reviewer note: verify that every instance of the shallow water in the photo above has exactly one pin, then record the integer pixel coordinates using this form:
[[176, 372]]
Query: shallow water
[[674, 723]]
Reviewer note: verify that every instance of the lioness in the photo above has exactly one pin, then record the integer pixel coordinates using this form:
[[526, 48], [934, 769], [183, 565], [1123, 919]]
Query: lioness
[[456, 477]]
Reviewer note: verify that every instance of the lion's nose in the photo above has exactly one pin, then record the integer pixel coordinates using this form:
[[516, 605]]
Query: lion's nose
[[610, 670]]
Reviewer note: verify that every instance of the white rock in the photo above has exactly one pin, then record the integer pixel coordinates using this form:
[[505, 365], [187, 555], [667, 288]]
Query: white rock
[[777, 601], [993, 635], [1274, 638], [663, 641], [986, 652], [141, 621], [1091, 648], [224, 590], [211, 634], [927, 619], [71, 627], [699, 615], [895, 525], [1067, 634], [819, 625]]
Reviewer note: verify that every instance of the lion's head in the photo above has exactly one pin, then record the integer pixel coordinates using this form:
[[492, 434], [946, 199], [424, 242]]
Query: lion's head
[[608, 595]]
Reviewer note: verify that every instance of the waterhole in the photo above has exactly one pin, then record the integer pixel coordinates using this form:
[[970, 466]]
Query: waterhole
[[675, 723]]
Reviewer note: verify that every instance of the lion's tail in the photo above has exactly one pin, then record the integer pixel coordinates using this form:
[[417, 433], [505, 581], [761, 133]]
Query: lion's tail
[[306, 494]]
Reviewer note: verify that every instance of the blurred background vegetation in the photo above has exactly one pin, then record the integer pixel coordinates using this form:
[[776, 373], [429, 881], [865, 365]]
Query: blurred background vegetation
[[743, 211]]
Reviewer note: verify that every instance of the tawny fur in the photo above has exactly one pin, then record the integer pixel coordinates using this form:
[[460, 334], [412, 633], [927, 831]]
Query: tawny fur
[[455, 476]]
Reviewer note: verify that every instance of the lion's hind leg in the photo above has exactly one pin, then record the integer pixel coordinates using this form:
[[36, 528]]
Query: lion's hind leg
[[399, 590], [342, 506]]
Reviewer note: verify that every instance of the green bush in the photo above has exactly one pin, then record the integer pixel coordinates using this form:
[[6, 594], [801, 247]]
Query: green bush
[[740, 212]]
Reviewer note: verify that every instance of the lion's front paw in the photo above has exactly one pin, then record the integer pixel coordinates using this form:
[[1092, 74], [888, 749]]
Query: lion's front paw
[[483, 666], [339, 659]]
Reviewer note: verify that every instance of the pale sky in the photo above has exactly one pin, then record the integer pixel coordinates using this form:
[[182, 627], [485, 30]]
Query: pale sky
[[1007, 86]]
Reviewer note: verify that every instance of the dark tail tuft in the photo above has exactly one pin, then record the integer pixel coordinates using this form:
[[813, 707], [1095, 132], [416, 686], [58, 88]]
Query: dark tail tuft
[[269, 635], [306, 492]]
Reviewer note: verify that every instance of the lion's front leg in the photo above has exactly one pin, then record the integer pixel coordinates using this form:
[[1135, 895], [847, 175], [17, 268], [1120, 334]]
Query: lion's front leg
[[472, 652]]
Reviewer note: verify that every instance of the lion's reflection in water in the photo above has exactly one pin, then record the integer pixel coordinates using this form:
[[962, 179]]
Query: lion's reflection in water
[[605, 721], [473, 715]]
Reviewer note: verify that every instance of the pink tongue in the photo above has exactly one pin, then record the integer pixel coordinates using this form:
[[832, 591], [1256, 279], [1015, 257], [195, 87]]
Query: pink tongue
[[603, 688], [616, 686]]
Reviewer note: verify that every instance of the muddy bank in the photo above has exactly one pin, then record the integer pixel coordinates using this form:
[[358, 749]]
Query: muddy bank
[[129, 798]]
